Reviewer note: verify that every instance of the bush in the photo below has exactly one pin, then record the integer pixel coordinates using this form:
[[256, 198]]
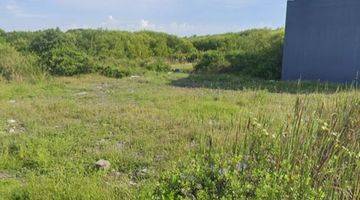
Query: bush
[[158, 66], [212, 62], [114, 72], [67, 61], [18, 67], [47, 40], [2, 36], [256, 53]]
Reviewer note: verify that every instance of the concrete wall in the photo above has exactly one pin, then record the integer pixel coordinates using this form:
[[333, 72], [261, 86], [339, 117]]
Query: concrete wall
[[322, 40]]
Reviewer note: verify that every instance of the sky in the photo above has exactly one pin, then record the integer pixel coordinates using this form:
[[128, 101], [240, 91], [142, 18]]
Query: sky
[[180, 17]]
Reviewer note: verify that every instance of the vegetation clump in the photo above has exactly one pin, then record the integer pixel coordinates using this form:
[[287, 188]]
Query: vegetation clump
[[254, 53], [312, 155], [212, 62], [16, 66]]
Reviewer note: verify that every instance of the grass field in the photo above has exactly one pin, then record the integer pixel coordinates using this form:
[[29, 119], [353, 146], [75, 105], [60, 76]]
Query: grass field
[[293, 140]]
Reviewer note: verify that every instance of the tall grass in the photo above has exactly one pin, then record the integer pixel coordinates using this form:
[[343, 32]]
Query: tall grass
[[313, 154]]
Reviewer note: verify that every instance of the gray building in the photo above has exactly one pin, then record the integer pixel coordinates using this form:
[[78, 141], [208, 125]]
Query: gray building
[[322, 40]]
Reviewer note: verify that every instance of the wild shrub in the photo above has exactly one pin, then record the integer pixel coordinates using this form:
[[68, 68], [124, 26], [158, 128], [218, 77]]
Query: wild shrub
[[114, 72], [212, 62], [68, 62], [16, 66], [256, 53], [2, 36], [157, 65]]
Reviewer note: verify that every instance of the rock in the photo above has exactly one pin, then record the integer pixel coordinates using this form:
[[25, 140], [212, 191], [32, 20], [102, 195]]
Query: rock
[[12, 101], [134, 77], [12, 130], [103, 164], [11, 121], [242, 166], [132, 183], [81, 94], [141, 174], [120, 145]]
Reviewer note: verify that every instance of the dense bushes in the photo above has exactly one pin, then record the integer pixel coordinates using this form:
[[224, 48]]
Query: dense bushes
[[157, 65], [254, 52], [212, 62], [2, 36], [15, 66], [67, 61]]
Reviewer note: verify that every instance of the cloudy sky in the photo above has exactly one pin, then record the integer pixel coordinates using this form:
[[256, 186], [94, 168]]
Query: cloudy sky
[[181, 17]]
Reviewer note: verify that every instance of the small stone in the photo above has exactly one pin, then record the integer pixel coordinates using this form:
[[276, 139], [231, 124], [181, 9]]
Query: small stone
[[242, 166], [12, 130], [81, 94], [134, 77], [103, 164], [120, 145], [11, 121], [12, 101]]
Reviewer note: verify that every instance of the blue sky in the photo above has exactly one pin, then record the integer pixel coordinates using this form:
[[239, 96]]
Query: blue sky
[[181, 17]]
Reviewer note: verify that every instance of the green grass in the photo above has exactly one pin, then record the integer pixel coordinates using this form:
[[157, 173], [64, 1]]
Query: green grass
[[52, 132]]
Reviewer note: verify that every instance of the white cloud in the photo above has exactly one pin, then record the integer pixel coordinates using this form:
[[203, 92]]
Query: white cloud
[[12, 7], [110, 21]]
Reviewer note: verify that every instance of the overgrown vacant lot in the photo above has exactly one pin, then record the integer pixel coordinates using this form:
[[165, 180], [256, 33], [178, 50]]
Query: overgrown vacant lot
[[178, 136]]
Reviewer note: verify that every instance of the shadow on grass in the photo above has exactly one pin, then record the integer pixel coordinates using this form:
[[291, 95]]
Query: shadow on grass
[[237, 82]]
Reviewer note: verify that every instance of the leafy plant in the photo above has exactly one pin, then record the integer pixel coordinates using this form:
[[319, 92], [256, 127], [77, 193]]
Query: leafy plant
[[67, 61], [157, 65], [18, 67], [212, 62]]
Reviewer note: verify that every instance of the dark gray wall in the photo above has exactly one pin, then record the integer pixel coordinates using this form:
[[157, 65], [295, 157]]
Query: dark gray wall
[[322, 40]]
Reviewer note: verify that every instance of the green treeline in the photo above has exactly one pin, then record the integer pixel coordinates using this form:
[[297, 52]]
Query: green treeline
[[255, 52]]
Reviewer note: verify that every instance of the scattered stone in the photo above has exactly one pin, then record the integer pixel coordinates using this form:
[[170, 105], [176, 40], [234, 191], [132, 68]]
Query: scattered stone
[[11, 121], [14, 126], [12, 130], [120, 145], [132, 183], [81, 94], [103, 164], [242, 166], [141, 173], [12, 101], [193, 144], [144, 171]]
